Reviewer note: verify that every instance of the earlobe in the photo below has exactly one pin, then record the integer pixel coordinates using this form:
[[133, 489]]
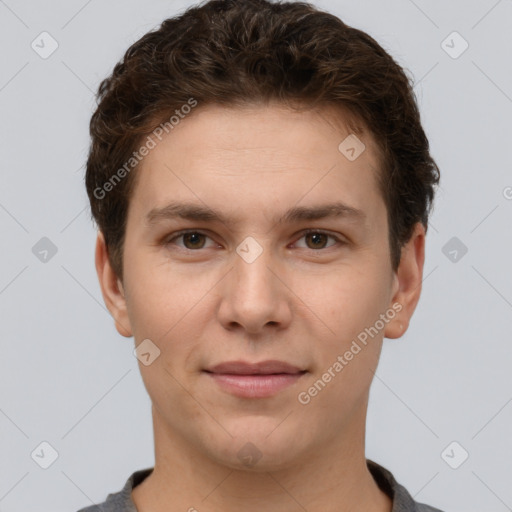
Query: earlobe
[[112, 288], [408, 280]]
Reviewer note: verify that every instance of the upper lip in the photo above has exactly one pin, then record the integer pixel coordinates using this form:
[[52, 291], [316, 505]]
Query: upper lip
[[261, 368]]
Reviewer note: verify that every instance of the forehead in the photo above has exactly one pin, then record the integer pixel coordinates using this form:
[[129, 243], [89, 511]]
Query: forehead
[[263, 156], [271, 126]]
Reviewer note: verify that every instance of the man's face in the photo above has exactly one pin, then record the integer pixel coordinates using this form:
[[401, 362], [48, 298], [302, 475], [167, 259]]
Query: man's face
[[253, 288]]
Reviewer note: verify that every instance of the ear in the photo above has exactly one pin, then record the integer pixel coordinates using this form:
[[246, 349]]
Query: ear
[[111, 288], [407, 283]]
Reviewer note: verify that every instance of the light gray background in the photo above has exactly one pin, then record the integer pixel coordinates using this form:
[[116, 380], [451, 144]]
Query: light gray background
[[68, 378]]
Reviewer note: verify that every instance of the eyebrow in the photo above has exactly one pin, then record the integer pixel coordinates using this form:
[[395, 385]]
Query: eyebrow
[[196, 212]]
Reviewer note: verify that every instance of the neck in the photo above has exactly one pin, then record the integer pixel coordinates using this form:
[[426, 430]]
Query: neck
[[333, 477]]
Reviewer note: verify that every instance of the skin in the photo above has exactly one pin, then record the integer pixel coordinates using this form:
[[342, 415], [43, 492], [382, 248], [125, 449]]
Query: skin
[[303, 301]]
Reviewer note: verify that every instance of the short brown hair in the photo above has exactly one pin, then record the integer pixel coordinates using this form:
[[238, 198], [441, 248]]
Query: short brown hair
[[234, 52]]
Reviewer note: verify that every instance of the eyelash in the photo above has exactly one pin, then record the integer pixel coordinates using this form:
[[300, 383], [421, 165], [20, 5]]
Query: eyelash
[[179, 234]]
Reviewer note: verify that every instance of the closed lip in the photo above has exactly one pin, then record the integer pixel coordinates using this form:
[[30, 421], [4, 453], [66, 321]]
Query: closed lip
[[261, 368]]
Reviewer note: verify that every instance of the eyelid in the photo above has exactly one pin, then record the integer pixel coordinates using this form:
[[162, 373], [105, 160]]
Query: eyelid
[[336, 237], [179, 234], [301, 234]]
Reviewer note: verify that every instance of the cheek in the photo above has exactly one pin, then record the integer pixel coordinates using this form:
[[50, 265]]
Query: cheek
[[345, 361], [160, 300], [355, 304], [351, 300]]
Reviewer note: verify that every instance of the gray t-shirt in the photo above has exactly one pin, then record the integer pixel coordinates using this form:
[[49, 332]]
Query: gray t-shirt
[[402, 501]]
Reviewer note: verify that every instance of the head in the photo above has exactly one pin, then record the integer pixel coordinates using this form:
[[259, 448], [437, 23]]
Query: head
[[241, 110]]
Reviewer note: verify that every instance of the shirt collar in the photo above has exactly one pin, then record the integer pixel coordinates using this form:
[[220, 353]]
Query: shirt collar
[[400, 497]]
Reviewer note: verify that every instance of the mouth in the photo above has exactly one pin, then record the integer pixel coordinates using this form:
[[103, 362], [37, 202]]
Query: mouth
[[254, 380]]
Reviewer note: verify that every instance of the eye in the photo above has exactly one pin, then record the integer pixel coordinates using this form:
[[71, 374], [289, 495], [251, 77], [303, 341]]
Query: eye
[[195, 240], [318, 239], [192, 240]]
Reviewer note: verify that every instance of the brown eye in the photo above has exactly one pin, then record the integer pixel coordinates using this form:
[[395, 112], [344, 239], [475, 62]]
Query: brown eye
[[193, 240], [188, 240], [317, 240]]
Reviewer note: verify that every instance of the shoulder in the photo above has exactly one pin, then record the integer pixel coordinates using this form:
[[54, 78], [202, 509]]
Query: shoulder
[[402, 500], [121, 501], [421, 507]]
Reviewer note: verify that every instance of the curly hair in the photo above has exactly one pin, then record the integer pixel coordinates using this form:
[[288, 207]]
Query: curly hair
[[236, 52]]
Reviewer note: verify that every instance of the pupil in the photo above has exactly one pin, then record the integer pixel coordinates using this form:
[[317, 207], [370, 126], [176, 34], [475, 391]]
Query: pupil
[[194, 237], [315, 237]]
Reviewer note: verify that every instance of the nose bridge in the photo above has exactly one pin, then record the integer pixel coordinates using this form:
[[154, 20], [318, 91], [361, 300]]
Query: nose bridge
[[253, 296], [253, 279]]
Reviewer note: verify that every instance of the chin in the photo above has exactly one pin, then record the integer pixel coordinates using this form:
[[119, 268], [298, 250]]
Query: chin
[[258, 446]]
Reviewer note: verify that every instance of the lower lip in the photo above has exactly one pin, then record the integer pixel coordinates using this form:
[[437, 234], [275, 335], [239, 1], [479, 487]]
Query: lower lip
[[255, 386]]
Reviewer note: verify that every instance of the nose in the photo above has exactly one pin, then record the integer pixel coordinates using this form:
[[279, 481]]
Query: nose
[[254, 297]]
